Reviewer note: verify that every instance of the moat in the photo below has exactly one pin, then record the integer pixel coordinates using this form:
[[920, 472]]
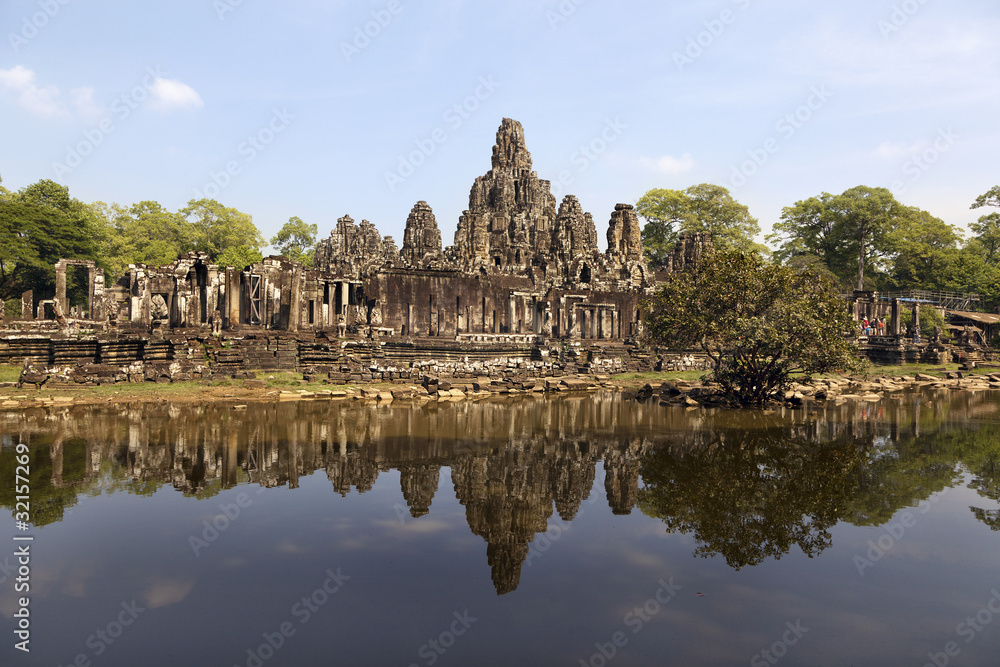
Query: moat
[[584, 529]]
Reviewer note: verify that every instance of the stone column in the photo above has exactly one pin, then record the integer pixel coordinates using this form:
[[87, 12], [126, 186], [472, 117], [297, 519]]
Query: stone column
[[295, 300], [233, 297], [894, 327], [28, 305], [60, 305], [91, 290]]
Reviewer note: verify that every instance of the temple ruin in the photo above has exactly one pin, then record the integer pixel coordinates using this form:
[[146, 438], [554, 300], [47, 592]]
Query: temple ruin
[[524, 272], [523, 292]]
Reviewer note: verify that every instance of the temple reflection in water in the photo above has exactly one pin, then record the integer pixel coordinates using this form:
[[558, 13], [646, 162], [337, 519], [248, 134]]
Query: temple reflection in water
[[747, 486]]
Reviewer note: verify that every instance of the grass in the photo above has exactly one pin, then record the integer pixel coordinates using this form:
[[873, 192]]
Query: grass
[[872, 372], [661, 376], [288, 380]]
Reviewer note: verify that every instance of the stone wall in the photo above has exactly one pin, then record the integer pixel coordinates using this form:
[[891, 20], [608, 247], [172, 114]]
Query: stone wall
[[191, 355]]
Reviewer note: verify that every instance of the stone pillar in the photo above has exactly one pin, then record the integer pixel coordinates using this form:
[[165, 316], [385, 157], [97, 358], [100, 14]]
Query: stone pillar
[[212, 289], [27, 305], [916, 317], [233, 297], [97, 297], [894, 327], [295, 300], [91, 290], [60, 305]]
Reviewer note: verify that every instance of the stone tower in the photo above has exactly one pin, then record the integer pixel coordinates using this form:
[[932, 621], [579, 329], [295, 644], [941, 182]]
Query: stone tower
[[510, 212], [422, 239]]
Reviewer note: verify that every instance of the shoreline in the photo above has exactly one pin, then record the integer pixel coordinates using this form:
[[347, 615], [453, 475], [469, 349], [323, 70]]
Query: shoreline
[[672, 388]]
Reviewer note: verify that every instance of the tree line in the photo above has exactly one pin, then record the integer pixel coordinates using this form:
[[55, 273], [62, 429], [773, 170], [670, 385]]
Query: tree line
[[863, 238], [765, 317], [42, 223]]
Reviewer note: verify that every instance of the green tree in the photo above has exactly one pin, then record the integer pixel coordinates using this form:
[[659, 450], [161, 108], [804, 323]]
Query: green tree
[[39, 225], [144, 233], [217, 228], [847, 232], [240, 257], [296, 241], [751, 494], [924, 251], [987, 228], [700, 208], [759, 323], [929, 318]]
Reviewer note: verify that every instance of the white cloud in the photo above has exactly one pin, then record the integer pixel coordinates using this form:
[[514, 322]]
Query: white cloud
[[83, 101], [668, 164], [41, 100], [170, 94]]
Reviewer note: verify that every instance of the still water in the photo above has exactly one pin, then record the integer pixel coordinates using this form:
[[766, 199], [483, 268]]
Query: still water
[[584, 530]]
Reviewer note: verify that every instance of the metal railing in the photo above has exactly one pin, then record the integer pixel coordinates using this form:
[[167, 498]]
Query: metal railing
[[947, 300]]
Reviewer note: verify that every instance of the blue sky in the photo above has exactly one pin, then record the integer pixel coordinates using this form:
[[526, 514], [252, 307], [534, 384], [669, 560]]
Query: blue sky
[[319, 109]]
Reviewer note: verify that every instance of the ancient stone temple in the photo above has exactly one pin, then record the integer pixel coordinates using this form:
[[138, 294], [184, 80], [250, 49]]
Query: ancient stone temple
[[518, 265], [525, 278]]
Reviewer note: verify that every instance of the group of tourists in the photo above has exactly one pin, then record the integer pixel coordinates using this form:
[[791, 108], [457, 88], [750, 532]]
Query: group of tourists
[[872, 327], [876, 326]]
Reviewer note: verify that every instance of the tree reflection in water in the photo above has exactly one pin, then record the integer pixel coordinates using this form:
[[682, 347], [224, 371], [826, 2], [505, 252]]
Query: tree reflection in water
[[748, 486]]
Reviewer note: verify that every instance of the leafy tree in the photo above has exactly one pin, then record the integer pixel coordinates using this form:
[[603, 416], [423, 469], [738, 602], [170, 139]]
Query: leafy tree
[[144, 233], [975, 274], [40, 225], [758, 323], [987, 228], [929, 318], [750, 494], [217, 228], [700, 208], [985, 468], [296, 240], [847, 232], [924, 250], [240, 257]]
